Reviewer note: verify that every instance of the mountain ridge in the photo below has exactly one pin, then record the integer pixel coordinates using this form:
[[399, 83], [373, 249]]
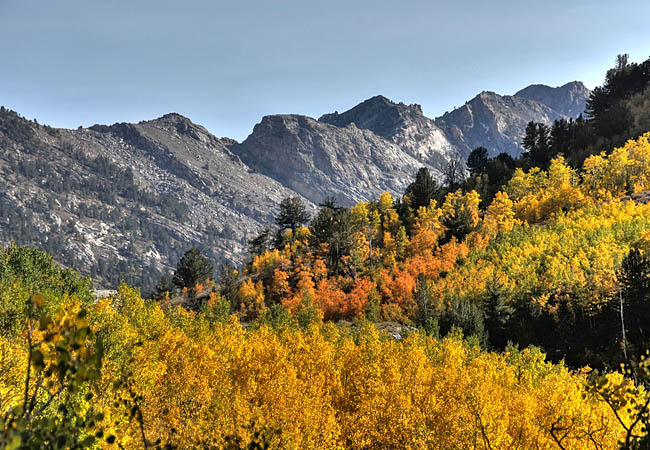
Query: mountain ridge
[[95, 197], [568, 99]]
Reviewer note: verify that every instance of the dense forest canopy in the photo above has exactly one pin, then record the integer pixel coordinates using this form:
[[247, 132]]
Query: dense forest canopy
[[127, 372]]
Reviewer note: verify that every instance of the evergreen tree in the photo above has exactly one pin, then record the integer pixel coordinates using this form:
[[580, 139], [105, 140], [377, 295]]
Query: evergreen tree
[[498, 315], [228, 282], [330, 202], [260, 243], [477, 160], [163, 288], [425, 314], [193, 268], [530, 137], [465, 315], [293, 214], [454, 174], [333, 226], [423, 189], [537, 145], [634, 302]]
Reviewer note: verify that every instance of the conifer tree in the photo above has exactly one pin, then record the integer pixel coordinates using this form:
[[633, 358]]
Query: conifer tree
[[423, 189], [477, 160], [634, 302], [293, 214], [193, 268]]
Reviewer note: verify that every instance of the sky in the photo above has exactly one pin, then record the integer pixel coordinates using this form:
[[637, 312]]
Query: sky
[[225, 64]]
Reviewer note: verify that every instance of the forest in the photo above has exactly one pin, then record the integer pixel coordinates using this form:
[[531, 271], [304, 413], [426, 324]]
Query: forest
[[521, 295]]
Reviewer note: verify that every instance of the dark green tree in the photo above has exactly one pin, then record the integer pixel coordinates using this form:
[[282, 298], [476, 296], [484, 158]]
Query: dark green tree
[[293, 214], [193, 268], [260, 243], [330, 202], [634, 303], [423, 189], [498, 315], [425, 315], [454, 174], [164, 287], [477, 160], [228, 282], [333, 226], [537, 145]]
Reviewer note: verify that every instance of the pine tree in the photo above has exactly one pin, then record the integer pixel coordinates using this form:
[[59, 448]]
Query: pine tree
[[425, 314], [163, 288], [260, 243], [193, 268], [423, 189], [454, 174], [634, 302], [477, 160], [293, 214]]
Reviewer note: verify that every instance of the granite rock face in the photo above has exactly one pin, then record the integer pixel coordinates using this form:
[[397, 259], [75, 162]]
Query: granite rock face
[[403, 125], [317, 159], [498, 122]]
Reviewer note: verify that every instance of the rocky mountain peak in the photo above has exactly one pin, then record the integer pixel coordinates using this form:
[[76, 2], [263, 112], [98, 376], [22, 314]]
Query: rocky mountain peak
[[319, 159], [496, 122], [177, 123], [568, 99], [487, 95], [403, 125], [174, 117], [378, 114]]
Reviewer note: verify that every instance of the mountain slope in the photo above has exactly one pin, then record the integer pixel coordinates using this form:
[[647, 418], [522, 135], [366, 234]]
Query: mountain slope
[[404, 125], [569, 99], [496, 122], [317, 159], [126, 200]]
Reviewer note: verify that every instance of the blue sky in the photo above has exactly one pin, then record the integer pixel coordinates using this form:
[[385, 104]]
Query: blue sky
[[225, 64]]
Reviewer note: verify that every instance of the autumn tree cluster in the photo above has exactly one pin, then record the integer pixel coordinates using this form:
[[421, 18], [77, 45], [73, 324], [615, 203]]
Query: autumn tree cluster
[[538, 265], [125, 372]]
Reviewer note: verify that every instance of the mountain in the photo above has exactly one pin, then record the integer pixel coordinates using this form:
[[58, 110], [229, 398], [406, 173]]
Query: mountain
[[498, 122], [569, 99], [126, 200], [404, 125], [318, 159]]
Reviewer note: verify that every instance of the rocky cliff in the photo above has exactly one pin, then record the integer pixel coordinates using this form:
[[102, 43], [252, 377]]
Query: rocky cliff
[[569, 99], [317, 159], [403, 125], [498, 122]]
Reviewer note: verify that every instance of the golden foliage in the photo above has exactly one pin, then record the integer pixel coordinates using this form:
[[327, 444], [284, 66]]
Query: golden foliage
[[324, 388]]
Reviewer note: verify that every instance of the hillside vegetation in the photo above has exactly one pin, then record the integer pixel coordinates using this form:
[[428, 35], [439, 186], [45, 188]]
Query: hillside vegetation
[[507, 310], [537, 266], [125, 372], [547, 262]]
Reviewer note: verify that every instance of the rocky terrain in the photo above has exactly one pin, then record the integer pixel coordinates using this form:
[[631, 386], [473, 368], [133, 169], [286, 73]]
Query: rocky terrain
[[404, 125], [125, 201], [568, 99], [317, 159], [498, 122]]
